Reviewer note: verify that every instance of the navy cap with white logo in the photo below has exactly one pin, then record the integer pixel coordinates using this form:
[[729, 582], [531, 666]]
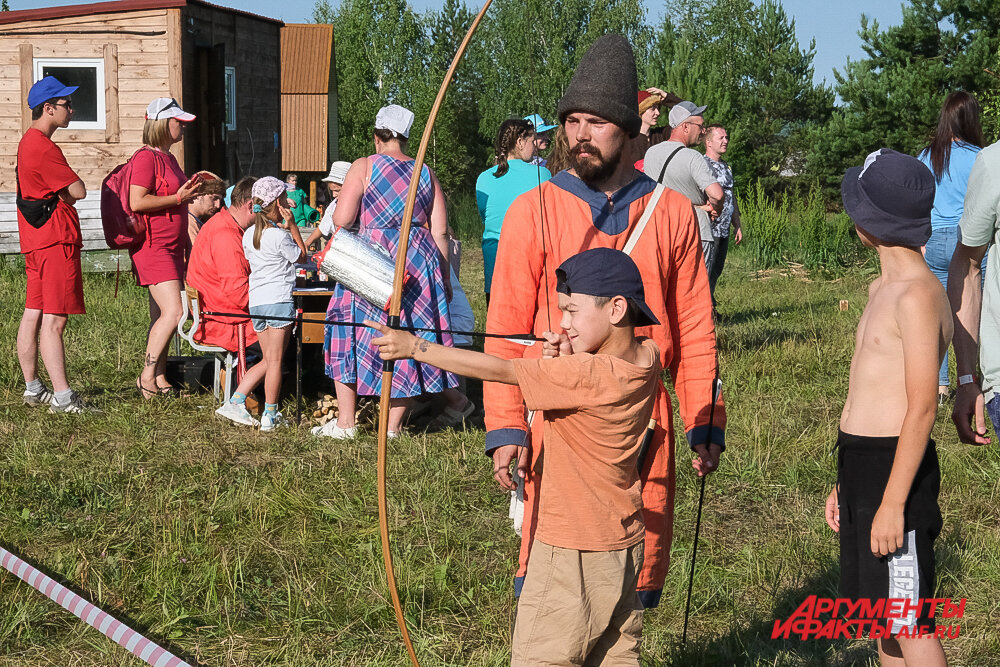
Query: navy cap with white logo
[[605, 272]]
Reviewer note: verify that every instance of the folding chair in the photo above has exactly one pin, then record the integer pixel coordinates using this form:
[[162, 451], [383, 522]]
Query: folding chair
[[223, 357]]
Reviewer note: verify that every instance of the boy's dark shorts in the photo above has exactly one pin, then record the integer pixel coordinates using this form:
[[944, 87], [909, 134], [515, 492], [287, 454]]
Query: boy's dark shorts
[[863, 467]]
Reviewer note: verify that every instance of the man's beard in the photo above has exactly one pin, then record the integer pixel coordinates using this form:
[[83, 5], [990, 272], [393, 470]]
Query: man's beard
[[597, 168]]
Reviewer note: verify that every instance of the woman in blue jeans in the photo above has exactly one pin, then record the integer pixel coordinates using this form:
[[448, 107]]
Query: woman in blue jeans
[[957, 141]]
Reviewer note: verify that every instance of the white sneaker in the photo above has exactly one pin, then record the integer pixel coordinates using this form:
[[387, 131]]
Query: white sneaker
[[236, 412], [269, 423], [73, 406], [44, 397], [331, 430]]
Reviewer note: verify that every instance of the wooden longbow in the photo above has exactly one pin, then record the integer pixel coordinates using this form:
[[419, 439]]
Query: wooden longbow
[[393, 321]]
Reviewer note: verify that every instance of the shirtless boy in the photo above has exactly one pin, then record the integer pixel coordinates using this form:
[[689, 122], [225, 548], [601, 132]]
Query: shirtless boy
[[596, 386], [887, 469]]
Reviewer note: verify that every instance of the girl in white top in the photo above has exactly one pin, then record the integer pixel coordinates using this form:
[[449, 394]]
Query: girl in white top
[[272, 246]]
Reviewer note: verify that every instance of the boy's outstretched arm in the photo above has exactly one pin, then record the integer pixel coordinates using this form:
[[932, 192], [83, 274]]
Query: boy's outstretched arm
[[395, 344], [920, 330]]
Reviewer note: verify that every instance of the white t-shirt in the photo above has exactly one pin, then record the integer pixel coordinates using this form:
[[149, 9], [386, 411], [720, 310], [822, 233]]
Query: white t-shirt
[[326, 224], [272, 268], [980, 226]]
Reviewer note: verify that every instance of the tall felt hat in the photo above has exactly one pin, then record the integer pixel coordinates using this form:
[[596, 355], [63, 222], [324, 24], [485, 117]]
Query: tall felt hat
[[605, 84]]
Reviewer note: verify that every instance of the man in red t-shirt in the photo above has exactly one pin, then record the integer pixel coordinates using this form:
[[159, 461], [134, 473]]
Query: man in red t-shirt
[[220, 272], [49, 231]]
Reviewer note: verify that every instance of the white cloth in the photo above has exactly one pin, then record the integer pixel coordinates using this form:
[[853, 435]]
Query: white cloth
[[395, 118], [460, 314], [326, 224], [272, 268]]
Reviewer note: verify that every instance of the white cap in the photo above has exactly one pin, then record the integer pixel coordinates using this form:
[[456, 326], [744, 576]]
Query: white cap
[[395, 118], [167, 107], [338, 172], [684, 110]]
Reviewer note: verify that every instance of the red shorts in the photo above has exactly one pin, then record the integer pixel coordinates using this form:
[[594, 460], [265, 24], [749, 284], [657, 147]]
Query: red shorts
[[55, 280]]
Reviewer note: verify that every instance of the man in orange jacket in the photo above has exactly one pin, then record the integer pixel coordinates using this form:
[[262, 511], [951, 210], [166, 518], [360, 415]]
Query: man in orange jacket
[[598, 203]]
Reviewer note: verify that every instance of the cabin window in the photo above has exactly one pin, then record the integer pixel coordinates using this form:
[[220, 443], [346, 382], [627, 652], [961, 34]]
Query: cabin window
[[89, 111], [230, 98]]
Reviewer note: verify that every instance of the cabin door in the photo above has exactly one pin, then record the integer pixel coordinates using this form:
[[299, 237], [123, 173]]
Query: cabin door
[[212, 135]]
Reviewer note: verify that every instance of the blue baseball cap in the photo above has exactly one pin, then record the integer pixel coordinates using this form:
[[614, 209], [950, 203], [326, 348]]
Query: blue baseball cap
[[539, 123], [605, 272], [48, 88]]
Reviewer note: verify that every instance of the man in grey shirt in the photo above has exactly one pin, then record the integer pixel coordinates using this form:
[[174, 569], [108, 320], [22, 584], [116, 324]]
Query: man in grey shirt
[[679, 167]]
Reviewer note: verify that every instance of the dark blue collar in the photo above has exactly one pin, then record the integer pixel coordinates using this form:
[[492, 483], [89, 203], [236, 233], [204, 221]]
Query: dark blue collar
[[608, 215]]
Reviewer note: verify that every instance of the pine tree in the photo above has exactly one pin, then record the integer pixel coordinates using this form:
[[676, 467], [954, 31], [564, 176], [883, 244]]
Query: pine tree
[[892, 97], [743, 60], [382, 54]]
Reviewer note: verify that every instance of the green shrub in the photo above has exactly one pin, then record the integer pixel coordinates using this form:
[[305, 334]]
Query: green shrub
[[766, 225], [824, 241], [463, 216]]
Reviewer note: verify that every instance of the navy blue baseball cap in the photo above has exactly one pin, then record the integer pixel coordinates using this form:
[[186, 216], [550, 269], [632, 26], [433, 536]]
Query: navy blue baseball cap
[[891, 196], [48, 88], [605, 272]]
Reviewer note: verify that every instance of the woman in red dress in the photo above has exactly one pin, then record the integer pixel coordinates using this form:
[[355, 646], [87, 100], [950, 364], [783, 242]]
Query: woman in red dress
[[160, 191]]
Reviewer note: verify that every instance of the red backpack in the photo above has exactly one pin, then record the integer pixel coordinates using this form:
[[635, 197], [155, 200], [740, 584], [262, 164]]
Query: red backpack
[[122, 227]]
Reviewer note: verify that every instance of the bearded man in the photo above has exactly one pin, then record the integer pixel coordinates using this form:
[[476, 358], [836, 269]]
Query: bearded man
[[598, 203]]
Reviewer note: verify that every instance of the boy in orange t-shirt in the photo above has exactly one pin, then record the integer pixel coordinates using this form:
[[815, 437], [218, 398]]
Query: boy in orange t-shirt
[[596, 386]]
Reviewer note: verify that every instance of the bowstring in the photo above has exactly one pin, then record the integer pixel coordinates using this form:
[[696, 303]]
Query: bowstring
[[541, 202], [525, 441]]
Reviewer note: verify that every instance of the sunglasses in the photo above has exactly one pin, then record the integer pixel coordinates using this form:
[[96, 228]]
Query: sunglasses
[[173, 105], [68, 104]]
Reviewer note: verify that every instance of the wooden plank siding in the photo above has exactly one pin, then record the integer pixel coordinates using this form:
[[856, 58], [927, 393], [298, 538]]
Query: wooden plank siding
[[251, 46], [140, 76], [303, 124], [90, 223], [308, 97]]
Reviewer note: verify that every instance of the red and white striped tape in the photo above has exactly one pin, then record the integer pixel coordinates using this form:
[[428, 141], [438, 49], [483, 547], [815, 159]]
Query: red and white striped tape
[[114, 629]]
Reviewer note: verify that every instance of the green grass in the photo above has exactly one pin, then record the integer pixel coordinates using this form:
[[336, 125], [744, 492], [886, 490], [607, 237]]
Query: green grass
[[235, 548]]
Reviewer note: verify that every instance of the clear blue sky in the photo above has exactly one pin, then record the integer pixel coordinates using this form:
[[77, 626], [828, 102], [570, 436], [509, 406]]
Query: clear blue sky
[[833, 23]]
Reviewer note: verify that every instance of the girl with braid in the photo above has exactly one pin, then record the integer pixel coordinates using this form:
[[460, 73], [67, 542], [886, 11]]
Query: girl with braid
[[499, 186]]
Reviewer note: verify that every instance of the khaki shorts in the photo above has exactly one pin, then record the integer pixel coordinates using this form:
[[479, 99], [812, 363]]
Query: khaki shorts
[[579, 608]]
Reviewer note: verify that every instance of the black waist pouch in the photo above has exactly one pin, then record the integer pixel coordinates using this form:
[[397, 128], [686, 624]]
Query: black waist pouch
[[36, 212]]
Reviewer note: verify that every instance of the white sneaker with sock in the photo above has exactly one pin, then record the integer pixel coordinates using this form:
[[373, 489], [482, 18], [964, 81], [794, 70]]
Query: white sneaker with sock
[[236, 412], [35, 399], [331, 430], [269, 422]]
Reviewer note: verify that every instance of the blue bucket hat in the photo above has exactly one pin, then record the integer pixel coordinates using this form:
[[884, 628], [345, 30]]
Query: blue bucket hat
[[891, 196], [48, 88]]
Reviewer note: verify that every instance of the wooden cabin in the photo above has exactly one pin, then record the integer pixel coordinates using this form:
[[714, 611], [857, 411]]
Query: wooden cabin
[[221, 64]]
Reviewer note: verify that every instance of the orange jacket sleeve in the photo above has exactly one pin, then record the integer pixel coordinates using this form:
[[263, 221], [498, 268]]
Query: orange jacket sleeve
[[513, 309], [693, 365]]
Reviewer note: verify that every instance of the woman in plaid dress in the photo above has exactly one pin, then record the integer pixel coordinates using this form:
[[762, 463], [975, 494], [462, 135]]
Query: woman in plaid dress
[[374, 194]]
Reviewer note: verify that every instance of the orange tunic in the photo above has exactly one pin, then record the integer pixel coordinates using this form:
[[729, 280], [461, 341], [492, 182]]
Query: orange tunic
[[576, 218]]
